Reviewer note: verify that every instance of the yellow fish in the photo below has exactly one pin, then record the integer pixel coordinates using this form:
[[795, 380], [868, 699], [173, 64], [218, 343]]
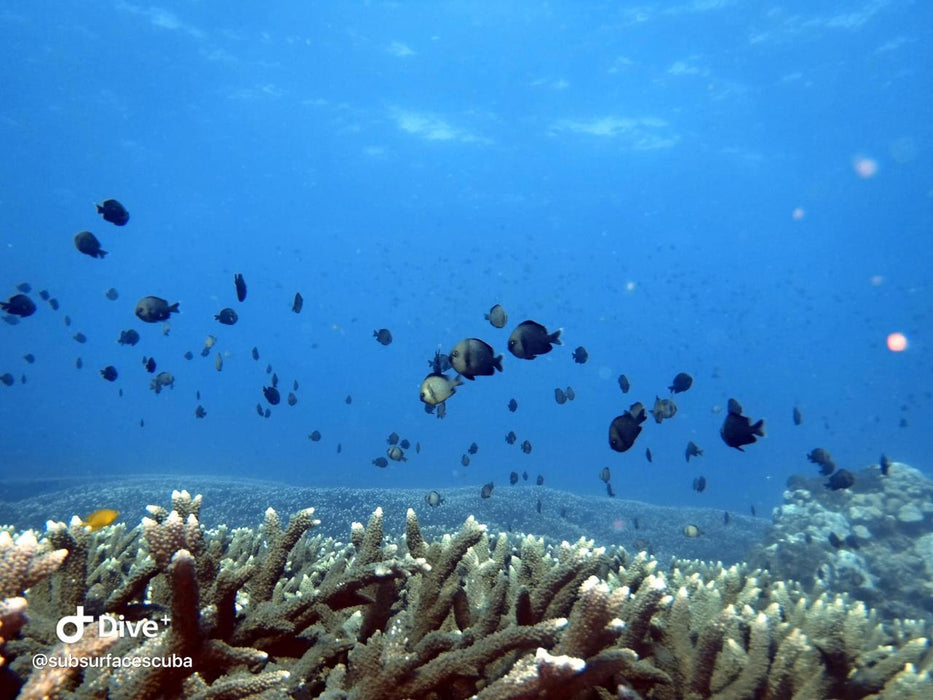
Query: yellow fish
[[100, 518]]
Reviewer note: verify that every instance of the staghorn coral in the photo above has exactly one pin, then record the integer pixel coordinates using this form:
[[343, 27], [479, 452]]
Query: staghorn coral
[[279, 612]]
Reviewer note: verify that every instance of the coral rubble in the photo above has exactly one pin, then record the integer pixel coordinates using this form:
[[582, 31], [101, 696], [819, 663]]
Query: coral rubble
[[283, 612]]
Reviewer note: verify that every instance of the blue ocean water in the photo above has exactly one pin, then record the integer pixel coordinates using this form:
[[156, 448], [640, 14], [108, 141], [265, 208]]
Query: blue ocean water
[[735, 190]]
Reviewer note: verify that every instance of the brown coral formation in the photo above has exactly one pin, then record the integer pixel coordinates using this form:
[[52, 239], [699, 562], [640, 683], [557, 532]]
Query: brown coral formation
[[281, 612]]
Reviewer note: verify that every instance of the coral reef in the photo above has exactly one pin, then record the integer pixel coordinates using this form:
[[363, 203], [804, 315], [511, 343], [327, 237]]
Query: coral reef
[[873, 541], [283, 612]]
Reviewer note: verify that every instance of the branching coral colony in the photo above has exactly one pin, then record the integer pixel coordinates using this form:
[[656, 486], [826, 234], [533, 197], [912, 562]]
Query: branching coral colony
[[280, 612]]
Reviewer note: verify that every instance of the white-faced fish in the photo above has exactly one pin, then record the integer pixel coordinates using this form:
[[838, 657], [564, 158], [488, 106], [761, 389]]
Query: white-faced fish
[[497, 316], [580, 355], [114, 212], [692, 450], [227, 316], [530, 339], [433, 499], [737, 430], [162, 380], [100, 518], [473, 357], [396, 454], [437, 388], [605, 475], [19, 305], [383, 336], [87, 243], [691, 531], [663, 409], [154, 309], [240, 285], [625, 428], [682, 382]]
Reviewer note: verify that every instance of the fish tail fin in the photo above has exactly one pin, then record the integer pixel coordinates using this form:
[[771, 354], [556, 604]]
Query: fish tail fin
[[759, 428], [100, 209], [101, 253], [174, 307], [497, 362], [457, 381], [554, 338]]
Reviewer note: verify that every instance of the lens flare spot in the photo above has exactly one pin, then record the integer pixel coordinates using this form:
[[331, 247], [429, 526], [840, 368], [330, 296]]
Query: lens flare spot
[[897, 342], [798, 214], [865, 167]]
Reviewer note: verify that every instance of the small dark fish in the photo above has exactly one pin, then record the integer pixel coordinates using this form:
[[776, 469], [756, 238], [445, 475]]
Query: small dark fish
[[486, 491], [292, 399], [609, 490], [465, 460], [560, 396], [433, 499], [835, 540], [842, 479], [392, 439], [513, 478], [396, 454], [266, 413], [271, 394], [43, 294], [295, 385], [540, 480], [663, 409], [53, 302], [259, 409], [205, 351], [240, 284], [440, 363], [530, 339], [227, 316], [511, 437], [153, 309], [526, 447], [580, 355], [699, 484], [404, 443], [339, 448], [726, 518], [738, 430], [114, 212], [189, 355], [109, 373], [19, 305], [473, 449], [199, 412], [383, 336], [29, 357], [197, 394], [79, 363], [142, 423], [25, 288], [625, 428], [255, 352], [497, 316], [753, 510], [129, 337], [624, 383], [885, 464], [418, 448], [112, 294], [314, 436], [692, 450], [7, 378], [298, 303], [348, 400], [275, 380], [538, 506], [150, 364], [824, 459], [513, 405], [648, 455], [605, 475], [381, 462], [681, 383], [798, 416], [570, 393], [524, 476], [87, 243], [79, 337], [472, 357]]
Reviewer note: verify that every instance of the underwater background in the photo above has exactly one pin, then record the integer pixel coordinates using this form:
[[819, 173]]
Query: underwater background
[[733, 190]]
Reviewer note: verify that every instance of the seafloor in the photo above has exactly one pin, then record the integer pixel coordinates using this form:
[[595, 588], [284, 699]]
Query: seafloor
[[259, 590]]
